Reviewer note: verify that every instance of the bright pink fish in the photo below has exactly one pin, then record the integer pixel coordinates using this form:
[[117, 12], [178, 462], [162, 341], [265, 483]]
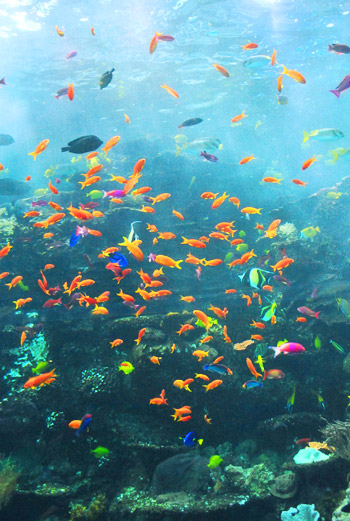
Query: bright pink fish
[[307, 311], [288, 347]]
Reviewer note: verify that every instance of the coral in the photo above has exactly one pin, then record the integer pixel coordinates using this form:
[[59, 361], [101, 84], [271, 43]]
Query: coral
[[285, 486], [77, 512], [342, 512], [337, 435], [95, 512], [308, 456], [301, 513], [254, 481], [35, 350], [8, 481], [7, 226], [288, 232]]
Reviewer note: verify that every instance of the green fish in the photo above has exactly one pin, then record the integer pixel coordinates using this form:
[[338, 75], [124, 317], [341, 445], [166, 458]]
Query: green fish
[[211, 322], [320, 400], [291, 400], [40, 192], [228, 257], [214, 461], [340, 152], [22, 286], [337, 346], [242, 248], [126, 367], [40, 367], [95, 194], [241, 234], [344, 306], [268, 311], [333, 195], [100, 452], [280, 342], [318, 343]]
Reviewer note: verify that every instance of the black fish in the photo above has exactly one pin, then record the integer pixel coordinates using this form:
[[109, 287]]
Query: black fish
[[190, 122], [6, 139], [12, 187], [339, 48], [83, 144], [106, 79]]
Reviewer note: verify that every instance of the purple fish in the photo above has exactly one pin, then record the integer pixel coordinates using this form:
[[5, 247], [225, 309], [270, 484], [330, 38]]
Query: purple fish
[[151, 257], [280, 278], [307, 311], [130, 305], [71, 55], [209, 157], [288, 347], [113, 193], [343, 85], [61, 93], [89, 206], [2, 81], [57, 180], [165, 38], [40, 203], [338, 48], [85, 421]]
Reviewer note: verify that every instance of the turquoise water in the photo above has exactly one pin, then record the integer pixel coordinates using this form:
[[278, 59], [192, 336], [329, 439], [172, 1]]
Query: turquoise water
[[287, 286]]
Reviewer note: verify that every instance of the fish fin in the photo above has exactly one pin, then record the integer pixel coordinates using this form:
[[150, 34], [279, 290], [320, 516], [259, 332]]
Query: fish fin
[[32, 154], [335, 156], [306, 136], [318, 229], [275, 350], [178, 151], [317, 315], [336, 92]]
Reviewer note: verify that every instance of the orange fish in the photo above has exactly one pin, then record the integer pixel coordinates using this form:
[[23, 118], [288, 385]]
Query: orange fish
[[218, 360], [91, 155], [170, 90], [183, 384], [283, 263], [200, 354], [218, 202], [28, 178], [125, 296], [247, 256], [166, 236], [93, 171], [259, 325], [301, 319], [154, 42], [239, 117], [4, 274], [209, 195], [140, 335], [226, 337], [70, 92], [194, 243], [89, 181], [294, 74], [308, 163], [23, 337], [92, 30], [184, 328], [147, 209], [272, 180], [184, 418], [249, 46], [138, 166], [83, 215], [222, 70], [186, 409], [256, 337], [267, 287], [206, 339], [251, 368], [213, 262], [40, 148], [273, 57], [250, 210], [203, 318], [22, 302], [249, 300], [279, 83], [141, 191], [220, 313], [163, 260], [218, 235], [206, 419], [159, 198], [139, 311], [202, 377], [127, 119], [40, 380], [212, 385], [246, 160], [32, 213], [191, 259], [231, 291], [133, 248], [49, 266], [178, 215], [298, 182], [111, 143], [74, 424], [188, 298], [59, 32], [155, 359], [55, 206], [48, 235], [100, 310], [16, 280]]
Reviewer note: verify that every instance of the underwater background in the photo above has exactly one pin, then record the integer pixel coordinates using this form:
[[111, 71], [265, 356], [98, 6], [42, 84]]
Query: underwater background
[[174, 260]]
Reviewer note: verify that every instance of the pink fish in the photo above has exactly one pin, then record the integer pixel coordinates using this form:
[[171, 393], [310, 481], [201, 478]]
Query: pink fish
[[2, 81], [288, 347], [71, 55], [307, 311], [130, 305], [52, 302]]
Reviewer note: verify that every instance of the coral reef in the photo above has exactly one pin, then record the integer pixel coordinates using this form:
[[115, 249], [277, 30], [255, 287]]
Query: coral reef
[[8, 481], [301, 513], [337, 435]]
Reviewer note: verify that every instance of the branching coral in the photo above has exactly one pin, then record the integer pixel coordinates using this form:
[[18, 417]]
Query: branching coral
[[337, 435]]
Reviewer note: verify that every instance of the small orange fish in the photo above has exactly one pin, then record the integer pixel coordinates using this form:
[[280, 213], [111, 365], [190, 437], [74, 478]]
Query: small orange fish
[[248, 298], [92, 30], [279, 83], [297, 76], [91, 155], [127, 119], [239, 117], [49, 266], [213, 262], [228, 291], [16, 280], [154, 42], [140, 311], [246, 159], [249, 46], [283, 263], [164, 260], [194, 243], [155, 359], [111, 143], [4, 274], [272, 180], [70, 92], [250, 210], [256, 337], [273, 57], [140, 335], [222, 70], [23, 337], [308, 163], [40, 380], [301, 319], [205, 340], [206, 419], [267, 287], [203, 318], [209, 195], [212, 385], [100, 310], [117, 342], [178, 215], [251, 368], [226, 337], [218, 202], [173, 347], [40, 148], [220, 313], [259, 325], [147, 209], [184, 328], [298, 182], [28, 178], [52, 188], [188, 298], [59, 32], [200, 354], [48, 235], [170, 90]]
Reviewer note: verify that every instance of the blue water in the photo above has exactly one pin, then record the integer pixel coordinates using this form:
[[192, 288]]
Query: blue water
[[249, 427]]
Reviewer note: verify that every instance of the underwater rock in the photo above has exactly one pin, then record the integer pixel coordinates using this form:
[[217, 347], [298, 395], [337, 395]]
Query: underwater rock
[[181, 473], [285, 486], [301, 513], [342, 512], [179, 498], [254, 481]]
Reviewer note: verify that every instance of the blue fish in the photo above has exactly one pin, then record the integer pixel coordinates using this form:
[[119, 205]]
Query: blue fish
[[119, 259], [217, 368], [74, 239], [250, 384], [191, 439], [85, 421]]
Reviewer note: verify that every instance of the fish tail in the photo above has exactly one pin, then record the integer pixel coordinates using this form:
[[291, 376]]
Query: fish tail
[[318, 229], [2, 81], [317, 315], [32, 154], [104, 194], [275, 349], [285, 70], [206, 387], [177, 264], [336, 92], [64, 149], [335, 156], [306, 136]]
